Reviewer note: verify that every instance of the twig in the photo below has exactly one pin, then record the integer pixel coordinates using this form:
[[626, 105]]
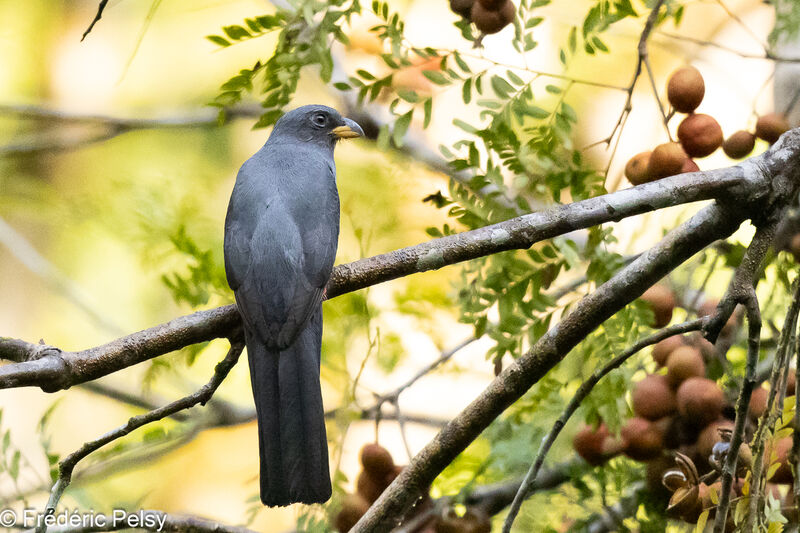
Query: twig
[[742, 291], [100, 8], [583, 391], [202, 396], [767, 56], [780, 370], [642, 58], [652, 78], [443, 358]]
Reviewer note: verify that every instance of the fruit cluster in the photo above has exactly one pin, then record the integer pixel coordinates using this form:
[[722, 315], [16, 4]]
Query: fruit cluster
[[699, 135], [489, 16], [378, 471], [683, 420]]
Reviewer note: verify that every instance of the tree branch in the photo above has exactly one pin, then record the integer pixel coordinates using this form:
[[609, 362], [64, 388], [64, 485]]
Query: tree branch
[[61, 369], [100, 8]]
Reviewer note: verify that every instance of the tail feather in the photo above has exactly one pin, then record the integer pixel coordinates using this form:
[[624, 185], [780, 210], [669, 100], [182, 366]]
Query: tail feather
[[293, 445]]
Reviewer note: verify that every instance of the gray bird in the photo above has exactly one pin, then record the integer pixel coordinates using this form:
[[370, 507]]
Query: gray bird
[[281, 234]]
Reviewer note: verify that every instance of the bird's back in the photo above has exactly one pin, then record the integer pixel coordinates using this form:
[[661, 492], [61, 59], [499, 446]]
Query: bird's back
[[281, 236]]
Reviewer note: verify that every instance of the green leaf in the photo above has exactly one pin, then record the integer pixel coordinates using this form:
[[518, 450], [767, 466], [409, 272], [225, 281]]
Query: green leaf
[[436, 77], [268, 119], [516, 80], [466, 91], [408, 95], [216, 39], [401, 127], [13, 469], [342, 86], [364, 74], [573, 39], [269, 22], [501, 87], [461, 63], [536, 112], [236, 32], [427, 108], [600, 45], [464, 126], [254, 26]]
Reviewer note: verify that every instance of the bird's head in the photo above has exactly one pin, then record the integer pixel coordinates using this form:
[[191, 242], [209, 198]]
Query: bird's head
[[315, 124]]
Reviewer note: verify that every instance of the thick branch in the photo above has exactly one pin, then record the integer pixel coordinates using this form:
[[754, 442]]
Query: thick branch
[[61, 369]]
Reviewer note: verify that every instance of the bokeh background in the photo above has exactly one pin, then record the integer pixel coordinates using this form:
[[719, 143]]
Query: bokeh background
[[99, 226]]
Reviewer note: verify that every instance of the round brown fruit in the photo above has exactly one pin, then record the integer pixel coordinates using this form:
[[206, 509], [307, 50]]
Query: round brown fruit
[[461, 7], [794, 247], [684, 363], [353, 508], [699, 135], [758, 403], [790, 383], [689, 166], [781, 449], [771, 126], [666, 160], [739, 145], [376, 460], [369, 487], [591, 444], [710, 436], [492, 21], [685, 89], [492, 5], [643, 440], [700, 400], [663, 348], [391, 476], [662, 302], [636, 168], [653, 398]]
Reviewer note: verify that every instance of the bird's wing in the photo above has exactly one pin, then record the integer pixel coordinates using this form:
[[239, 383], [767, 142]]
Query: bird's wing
[[280, 245]]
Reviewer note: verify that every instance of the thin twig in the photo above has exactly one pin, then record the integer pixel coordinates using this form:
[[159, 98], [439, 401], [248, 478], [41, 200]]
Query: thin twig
[[742, 291], [642, 58], [100, 8], [780, 369]]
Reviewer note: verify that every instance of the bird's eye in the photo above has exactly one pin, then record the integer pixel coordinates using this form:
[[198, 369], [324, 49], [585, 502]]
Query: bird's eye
[[319, 119]]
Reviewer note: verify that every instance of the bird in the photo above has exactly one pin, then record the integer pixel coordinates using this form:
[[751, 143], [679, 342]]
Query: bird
[[281, 236]]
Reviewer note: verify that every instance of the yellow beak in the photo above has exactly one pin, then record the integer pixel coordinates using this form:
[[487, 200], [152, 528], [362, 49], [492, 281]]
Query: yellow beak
[[348, 131]]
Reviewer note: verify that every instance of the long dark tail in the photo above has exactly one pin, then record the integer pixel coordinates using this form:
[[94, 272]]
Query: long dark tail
[[293, 446]]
